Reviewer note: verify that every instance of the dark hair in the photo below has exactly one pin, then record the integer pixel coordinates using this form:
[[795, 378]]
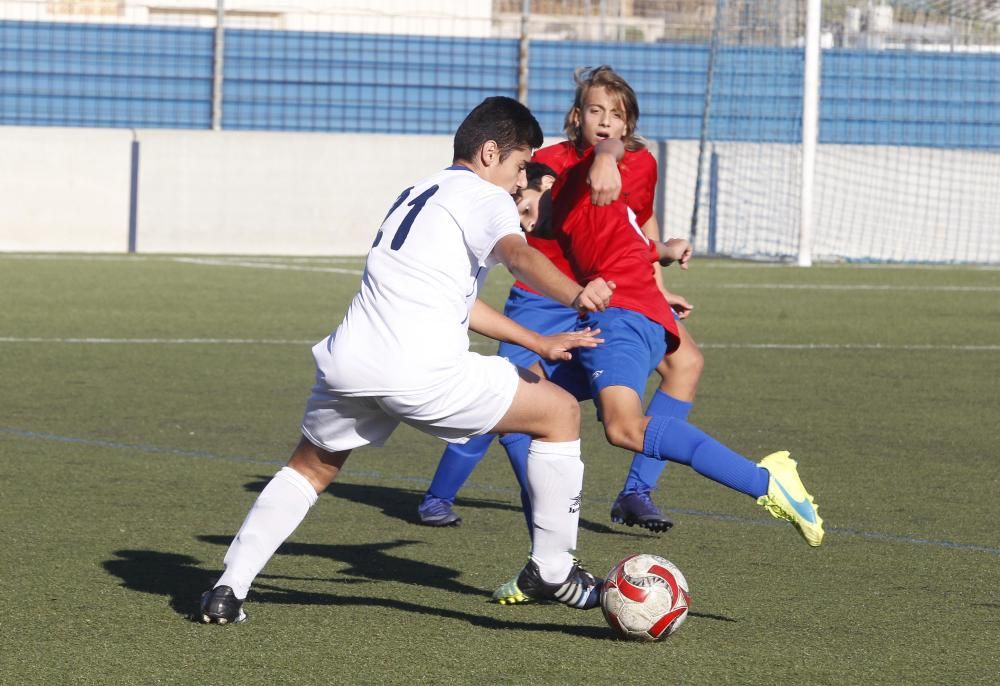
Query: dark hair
[[499, 119], [607, 78], [536, 171]]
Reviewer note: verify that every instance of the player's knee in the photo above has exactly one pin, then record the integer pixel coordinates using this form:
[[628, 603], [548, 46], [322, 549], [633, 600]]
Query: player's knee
[[688, 364], [625, 434], [572, 410]]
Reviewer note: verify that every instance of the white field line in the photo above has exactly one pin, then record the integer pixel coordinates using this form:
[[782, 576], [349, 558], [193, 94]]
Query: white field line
[[283, 265], [299, 263], [849, 287], [78, 258], [265, 265], [710, 264], [490, 347], [817, 266], [352, 259], [158, 341]]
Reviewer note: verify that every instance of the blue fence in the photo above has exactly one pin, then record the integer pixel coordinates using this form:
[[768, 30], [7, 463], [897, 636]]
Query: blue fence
[[140, 76]]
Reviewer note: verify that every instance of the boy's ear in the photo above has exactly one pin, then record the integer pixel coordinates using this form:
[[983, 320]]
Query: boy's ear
[[574, 117], [489, 154]]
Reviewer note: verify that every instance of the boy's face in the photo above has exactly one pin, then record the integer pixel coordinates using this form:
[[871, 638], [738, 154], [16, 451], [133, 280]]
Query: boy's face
[[509, 172], [528, 202], [602, 116]]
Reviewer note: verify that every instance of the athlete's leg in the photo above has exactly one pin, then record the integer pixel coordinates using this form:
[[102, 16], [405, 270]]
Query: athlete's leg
[[456, 464], [517, 446], [679, 375], [681, 371], [554, 478], [454, 468], [669, 438], [774, 483], [537, 313], [277, 512]]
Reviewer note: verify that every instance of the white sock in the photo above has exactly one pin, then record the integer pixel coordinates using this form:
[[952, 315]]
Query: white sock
[[555, 484], [276, 513]]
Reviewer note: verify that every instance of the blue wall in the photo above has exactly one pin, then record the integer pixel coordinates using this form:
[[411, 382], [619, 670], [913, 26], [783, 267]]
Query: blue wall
[[141, 76]]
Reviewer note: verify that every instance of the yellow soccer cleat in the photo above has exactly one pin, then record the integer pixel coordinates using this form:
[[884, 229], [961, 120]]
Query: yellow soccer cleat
[[788, 499], [510, 594]]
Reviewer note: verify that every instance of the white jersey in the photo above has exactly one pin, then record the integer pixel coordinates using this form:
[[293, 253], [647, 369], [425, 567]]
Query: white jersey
[[407, 329]]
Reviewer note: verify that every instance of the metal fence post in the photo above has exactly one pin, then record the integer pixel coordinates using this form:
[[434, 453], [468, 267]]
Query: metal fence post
[[522, 57], [218, 59]]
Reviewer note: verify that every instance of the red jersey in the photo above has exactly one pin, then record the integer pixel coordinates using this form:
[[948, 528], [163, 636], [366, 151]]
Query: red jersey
[[604, 242], [638, 170]]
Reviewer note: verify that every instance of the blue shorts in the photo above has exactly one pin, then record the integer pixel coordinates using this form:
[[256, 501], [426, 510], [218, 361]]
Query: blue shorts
[[538, 313], [546, 316], [633, 346]]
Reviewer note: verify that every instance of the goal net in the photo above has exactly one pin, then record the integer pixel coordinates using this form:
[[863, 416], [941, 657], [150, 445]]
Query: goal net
[[907, 161]]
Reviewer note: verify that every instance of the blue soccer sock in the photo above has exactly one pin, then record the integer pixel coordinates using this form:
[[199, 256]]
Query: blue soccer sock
[[645, 471], [669, 438], [457, 463], [517, 446]]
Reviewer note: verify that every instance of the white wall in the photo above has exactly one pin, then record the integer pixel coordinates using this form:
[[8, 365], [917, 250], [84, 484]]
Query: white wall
[[274, 193], [64, 189], [325, 194], [67, 190]]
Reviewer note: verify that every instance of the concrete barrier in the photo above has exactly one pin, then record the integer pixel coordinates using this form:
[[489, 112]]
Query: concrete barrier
[[271, 193], [64, 190]]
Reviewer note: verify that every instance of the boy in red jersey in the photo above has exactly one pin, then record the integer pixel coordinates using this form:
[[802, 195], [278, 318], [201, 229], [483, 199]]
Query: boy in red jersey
[[638, 329], [604, 107]]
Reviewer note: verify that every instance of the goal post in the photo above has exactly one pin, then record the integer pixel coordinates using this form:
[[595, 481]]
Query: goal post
[[855, 131], [810, 130]]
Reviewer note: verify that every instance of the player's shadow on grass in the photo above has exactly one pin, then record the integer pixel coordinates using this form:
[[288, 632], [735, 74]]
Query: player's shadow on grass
[[180, 579], [266, 593], [372, 562], [171, 574], [402, 504]]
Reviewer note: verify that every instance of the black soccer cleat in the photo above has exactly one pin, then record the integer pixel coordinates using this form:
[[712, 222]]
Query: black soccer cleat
[[580, 589], [637, 508], [221, 606]]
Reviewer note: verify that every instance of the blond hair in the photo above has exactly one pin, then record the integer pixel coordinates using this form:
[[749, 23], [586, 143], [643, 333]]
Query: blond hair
[[607, 78]]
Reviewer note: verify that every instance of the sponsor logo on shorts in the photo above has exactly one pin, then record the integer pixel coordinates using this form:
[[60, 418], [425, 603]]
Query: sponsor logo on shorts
[[597, 373], [574, 504]]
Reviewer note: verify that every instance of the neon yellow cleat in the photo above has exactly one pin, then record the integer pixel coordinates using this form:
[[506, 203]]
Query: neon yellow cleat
[[510, 594], [788, 499]]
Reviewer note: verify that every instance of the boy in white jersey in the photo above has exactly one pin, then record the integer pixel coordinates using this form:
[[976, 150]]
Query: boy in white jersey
[[402, 354]]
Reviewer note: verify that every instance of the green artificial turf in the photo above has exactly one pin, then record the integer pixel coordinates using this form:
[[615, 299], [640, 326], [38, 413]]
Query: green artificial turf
[[146, 400]]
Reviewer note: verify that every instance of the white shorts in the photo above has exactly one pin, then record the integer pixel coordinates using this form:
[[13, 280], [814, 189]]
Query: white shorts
[[468, 403]]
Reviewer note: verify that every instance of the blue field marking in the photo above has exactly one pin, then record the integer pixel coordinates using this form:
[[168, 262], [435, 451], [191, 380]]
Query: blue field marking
[[96, 442], [423, 482]]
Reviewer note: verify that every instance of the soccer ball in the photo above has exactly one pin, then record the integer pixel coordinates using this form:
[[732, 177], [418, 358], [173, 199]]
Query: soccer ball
[[645, 598]]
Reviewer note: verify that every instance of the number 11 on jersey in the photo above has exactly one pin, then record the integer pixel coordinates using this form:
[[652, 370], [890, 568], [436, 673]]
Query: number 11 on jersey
[[403, 230]]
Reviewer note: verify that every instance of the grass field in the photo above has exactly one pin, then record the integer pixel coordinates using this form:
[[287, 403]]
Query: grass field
[[147, 399]]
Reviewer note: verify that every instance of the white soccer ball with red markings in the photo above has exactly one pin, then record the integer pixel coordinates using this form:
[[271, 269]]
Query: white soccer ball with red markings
[[645, 598]]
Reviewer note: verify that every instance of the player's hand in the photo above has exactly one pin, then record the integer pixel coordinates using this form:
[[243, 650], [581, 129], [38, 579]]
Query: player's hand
[[556, 348], [676, 250], [594, 297], [678, 303], [605, 180]]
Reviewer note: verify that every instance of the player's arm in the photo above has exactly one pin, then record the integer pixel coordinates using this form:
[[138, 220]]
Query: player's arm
[[674, 250], [604, 177], [651, 229], [677, 302], [487, 321], [535, 269]]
